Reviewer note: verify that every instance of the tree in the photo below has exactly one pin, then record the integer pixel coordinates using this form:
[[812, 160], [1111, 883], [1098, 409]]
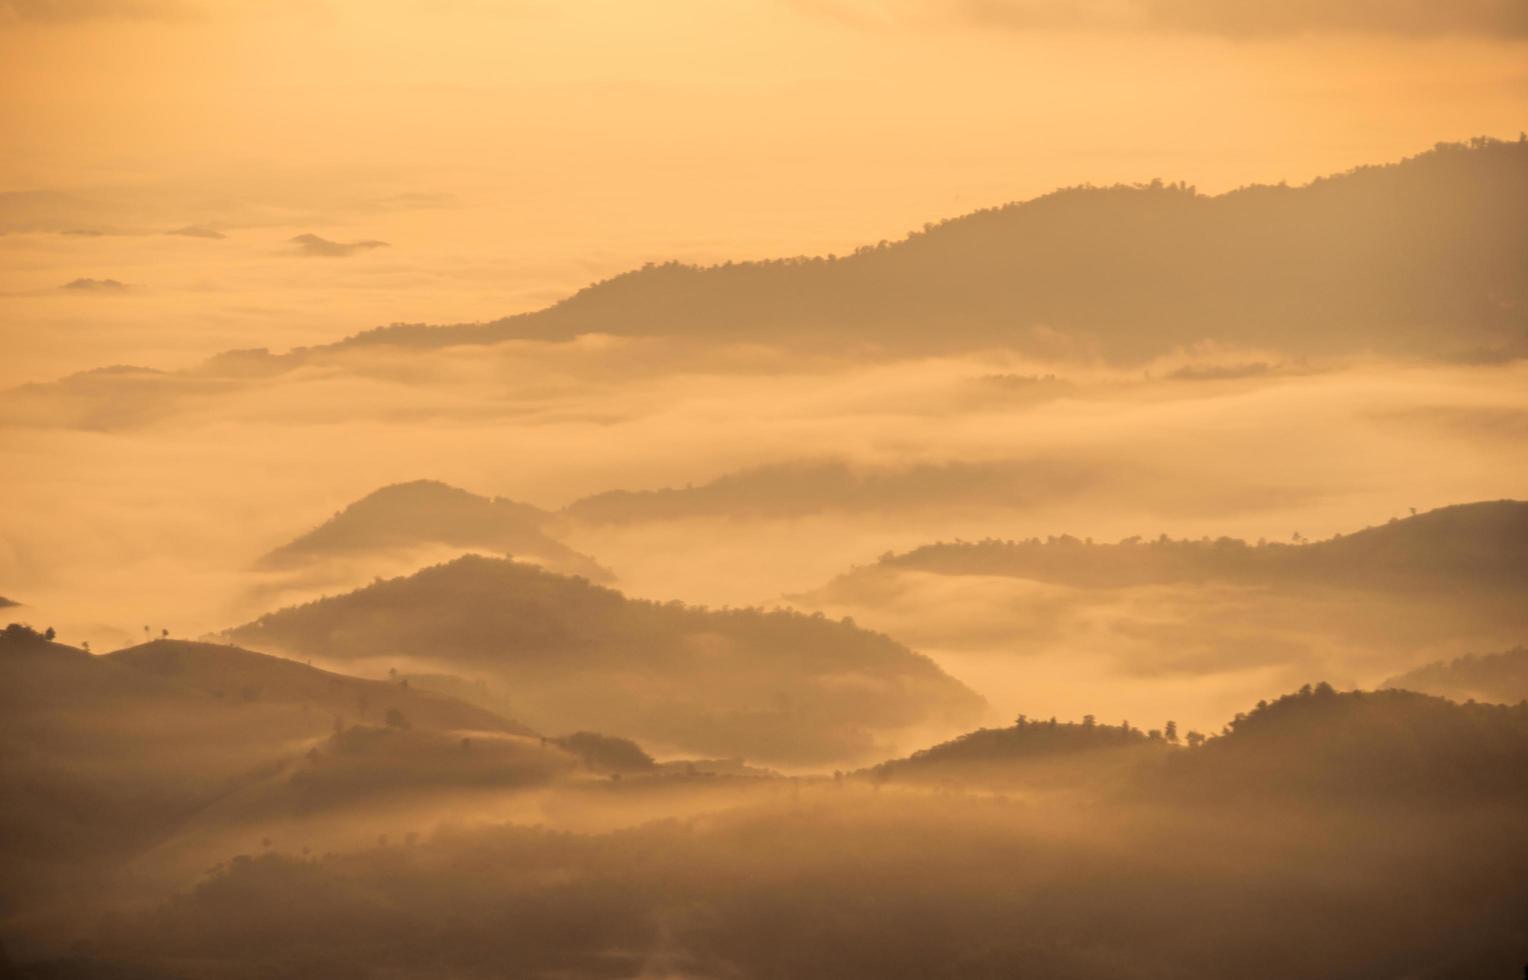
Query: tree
[[48, 634], [1194, 740], [395, 719], [1170, 732]]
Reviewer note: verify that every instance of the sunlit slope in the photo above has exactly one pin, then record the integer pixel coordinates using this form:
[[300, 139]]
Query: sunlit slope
[[774, 686], [1425, 255]]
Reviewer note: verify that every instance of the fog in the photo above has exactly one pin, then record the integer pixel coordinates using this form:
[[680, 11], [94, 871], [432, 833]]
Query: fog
[[781, 488]]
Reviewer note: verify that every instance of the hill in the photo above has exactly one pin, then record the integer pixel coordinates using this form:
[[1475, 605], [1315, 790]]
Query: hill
[[1420, 256], [1031, 755], [1501, 678], [425, 513], [765, 685], [1336, 835], [1466, 546], [110, 754], [1323, 746]]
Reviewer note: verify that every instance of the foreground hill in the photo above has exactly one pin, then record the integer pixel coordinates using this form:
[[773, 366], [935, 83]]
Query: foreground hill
[[765, 685], [1350, 836], [1497, 677], [1425, 255], [423, 514]]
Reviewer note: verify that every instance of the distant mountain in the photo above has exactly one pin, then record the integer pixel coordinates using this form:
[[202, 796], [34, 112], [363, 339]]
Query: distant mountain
[[6, 603], [1501, 678], [1421, 256], [424, 514], [775, 686], [804, 487], [1474, 546]]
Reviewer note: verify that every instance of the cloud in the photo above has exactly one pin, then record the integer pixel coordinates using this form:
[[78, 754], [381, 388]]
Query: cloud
[[197, 231], [1507, 19], [313, 245], [95, 285]]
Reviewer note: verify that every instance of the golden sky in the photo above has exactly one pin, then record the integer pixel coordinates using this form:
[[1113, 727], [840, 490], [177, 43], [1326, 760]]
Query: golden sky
[[509, 152]]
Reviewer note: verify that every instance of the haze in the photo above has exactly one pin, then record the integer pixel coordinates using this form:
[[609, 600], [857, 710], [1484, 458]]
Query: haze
[[776, 488]]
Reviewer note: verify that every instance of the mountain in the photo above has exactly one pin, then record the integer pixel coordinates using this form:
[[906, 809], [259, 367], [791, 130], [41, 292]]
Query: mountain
[[1501, 678], [6, 603], [775, 686], [424, 514], [1421, 256]]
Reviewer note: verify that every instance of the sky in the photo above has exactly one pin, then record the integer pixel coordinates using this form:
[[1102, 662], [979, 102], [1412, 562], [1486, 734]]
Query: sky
[[504, 154]]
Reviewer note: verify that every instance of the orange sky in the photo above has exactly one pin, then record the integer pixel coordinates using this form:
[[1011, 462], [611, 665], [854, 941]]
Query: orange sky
[[511, 151]]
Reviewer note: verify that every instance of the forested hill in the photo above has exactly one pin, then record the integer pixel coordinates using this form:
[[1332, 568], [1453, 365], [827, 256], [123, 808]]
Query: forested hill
[[1421, 256], [1480, 546]]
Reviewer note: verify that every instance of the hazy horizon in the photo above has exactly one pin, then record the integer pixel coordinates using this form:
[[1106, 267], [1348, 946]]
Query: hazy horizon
[[772, 488]]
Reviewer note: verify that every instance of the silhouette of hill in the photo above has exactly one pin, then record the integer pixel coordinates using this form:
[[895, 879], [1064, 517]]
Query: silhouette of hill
[[1315, 746], [1032, 753], [1325, 746], [1478, 546], [764, 685], [1501, 678], [800, 488], [113, 753], [427, 513], [5, 603], [1420, 256], [1336, 835]]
